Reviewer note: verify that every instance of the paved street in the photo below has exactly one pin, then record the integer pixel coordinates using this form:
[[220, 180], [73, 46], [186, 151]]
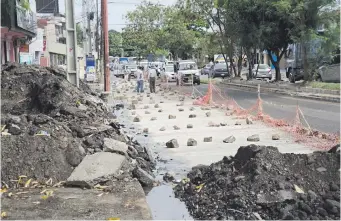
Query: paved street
[[323, 116]]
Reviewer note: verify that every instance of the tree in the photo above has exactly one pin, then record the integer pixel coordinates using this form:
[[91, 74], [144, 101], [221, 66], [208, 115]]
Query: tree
[[154, 28], [115, 43]]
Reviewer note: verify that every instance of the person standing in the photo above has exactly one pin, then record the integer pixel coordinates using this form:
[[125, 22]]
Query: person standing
[[139, 80], [152, 79]]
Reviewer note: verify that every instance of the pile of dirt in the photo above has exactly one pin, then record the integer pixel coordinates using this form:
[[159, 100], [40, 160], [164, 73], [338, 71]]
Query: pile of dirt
[[261, 183], [49, 125]]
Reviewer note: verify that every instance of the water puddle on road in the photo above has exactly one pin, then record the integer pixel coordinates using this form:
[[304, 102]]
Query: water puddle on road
[[161, 199]]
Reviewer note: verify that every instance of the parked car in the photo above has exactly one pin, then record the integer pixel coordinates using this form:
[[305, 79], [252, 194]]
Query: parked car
[[329, 73], [219, 70], [264, 71], [131, 69], [206, 69], [188, 70], [169, 72]]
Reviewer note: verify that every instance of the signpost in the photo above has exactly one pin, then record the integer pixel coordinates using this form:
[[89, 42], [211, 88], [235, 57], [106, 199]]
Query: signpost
[[90, 68]]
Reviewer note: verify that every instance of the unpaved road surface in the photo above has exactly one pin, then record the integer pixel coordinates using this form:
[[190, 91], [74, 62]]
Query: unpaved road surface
[[180, 160]]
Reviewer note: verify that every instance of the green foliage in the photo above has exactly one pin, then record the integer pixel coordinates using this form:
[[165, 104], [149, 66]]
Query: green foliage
[[162, 30], [25, 4], [115, 43]]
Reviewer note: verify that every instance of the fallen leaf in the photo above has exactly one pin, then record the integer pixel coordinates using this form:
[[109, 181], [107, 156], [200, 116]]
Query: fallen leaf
[[3, 215], [3, 190], [297, 189], [257, 216], [27, 184], [114, 218], [10, 194], [44, 197]]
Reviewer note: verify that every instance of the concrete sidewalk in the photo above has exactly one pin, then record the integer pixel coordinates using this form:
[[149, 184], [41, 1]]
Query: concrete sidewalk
[[302, 92], [127, 202]]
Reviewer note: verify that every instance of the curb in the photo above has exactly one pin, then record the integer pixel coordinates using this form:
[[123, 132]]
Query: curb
[[293, 94]]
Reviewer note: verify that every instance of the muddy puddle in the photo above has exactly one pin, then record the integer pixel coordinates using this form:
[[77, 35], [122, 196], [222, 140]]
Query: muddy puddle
[[161, 199]]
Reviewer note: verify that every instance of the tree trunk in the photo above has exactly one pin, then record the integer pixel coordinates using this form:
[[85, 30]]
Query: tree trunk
[[240, 63], [305, 62], [276, 64]]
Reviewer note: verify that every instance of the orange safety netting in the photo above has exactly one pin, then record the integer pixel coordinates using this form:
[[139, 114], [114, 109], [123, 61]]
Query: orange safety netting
[[300, 132]]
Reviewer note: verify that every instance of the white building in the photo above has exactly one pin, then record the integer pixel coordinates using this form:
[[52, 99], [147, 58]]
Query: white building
[[49, 47]]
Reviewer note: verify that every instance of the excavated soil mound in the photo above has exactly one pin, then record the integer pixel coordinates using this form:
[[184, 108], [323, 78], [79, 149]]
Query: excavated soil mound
[[262, 183], [48, 125]]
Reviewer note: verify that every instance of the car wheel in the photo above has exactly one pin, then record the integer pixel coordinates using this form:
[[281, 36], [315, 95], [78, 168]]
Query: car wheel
[[198, 82], [291, 78]]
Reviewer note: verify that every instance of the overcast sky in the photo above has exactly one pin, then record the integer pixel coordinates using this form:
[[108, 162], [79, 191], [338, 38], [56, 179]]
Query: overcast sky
[[117, 10]]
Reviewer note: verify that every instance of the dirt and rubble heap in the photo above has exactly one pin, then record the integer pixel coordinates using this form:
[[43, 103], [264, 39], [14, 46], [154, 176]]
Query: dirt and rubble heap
[[260, 182], [49, 125]]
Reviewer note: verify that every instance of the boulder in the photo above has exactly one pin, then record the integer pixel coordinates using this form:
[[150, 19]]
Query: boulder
[[153, 118], [208, 114], [230, 139], [145, 130], [223, 124], [14, 129], [171, 116], [191, 142], [160, 110], [74, 154], [181, 109], [192, 109], [147, 112], [156, 106], [114, 146], [143, 177], [133, 113], [176, 127], [168, 177], [249, 121], [238, 123], [207, 139], [162, 129], [189, 126], [253, 138], [192, 116], [275, 137], [136, 119], [95, 168], [173, 143]]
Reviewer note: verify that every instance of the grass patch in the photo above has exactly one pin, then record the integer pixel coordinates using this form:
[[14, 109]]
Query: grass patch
[[324, 85]]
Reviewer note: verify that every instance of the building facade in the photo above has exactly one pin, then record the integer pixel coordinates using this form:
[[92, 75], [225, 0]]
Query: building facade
[[49, 47], [18, 28]]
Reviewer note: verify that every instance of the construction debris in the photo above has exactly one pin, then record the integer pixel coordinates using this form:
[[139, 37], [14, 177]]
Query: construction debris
[[55, 127], [260, 182]]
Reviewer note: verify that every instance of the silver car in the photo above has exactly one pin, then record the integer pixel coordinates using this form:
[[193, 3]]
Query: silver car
[[206, 69], [264, 71]]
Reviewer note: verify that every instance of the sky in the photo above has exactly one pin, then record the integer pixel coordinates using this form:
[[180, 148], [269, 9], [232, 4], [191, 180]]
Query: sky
[[117, 10]]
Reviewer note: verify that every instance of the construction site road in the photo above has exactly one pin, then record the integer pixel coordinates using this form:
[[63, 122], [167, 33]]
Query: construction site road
[[322, 116]]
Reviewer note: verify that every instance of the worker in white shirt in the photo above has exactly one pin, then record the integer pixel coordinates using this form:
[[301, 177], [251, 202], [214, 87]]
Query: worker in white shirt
[[139, 80], [152, 79]]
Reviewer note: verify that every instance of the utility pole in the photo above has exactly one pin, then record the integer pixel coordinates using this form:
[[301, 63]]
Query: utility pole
[[106, 45], [71, 43]]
